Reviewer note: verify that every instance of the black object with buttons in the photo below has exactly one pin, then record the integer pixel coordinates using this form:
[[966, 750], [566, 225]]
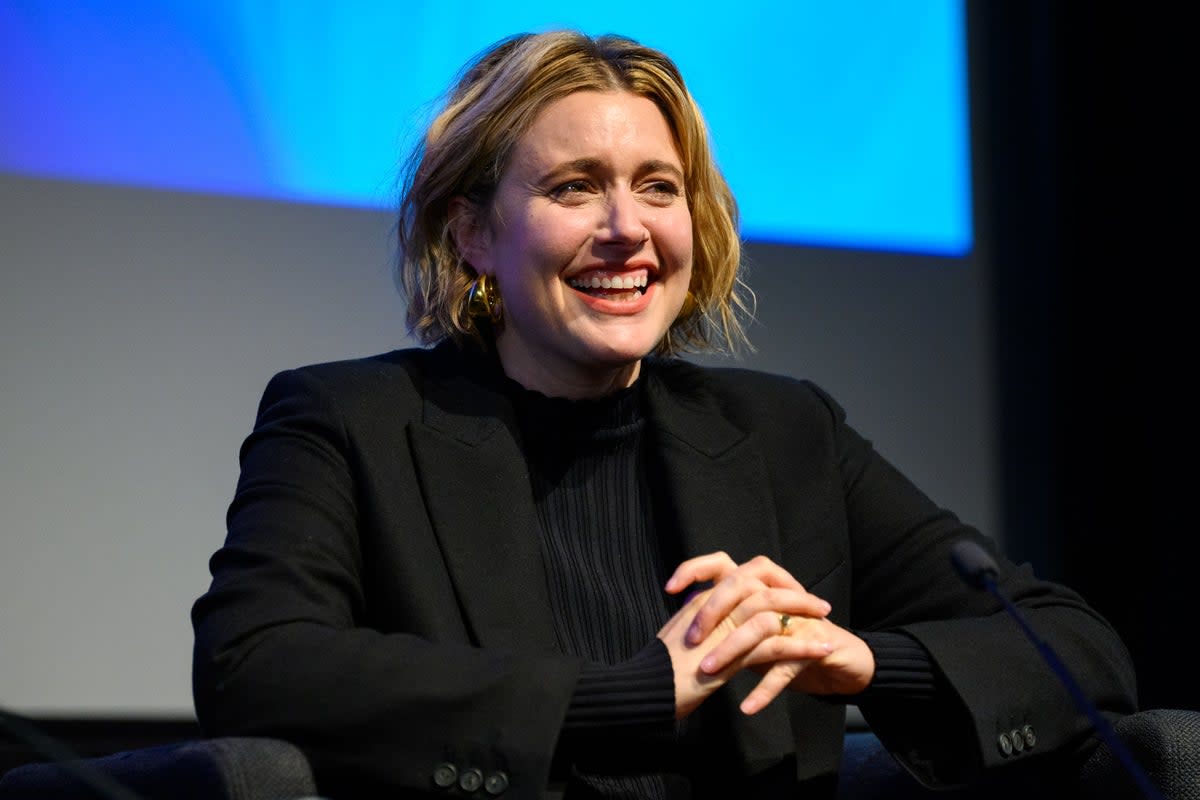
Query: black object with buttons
[[1016, 741], [447, 776]]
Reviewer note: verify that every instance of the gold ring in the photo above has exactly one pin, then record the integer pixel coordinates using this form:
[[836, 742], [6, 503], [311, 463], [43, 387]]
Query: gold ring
[[785, 622]]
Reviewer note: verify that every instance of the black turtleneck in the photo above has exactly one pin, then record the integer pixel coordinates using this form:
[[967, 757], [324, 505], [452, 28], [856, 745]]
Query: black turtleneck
[[605, 571]]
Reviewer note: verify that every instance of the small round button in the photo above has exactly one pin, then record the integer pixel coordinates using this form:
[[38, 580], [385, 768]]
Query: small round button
[[1030, 737], [1018, 740], [470, 780], [1005, 743], [496, 783], [444, 775]]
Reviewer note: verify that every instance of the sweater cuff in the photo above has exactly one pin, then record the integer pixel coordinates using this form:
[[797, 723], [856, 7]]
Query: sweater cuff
[[903, 668], [636, 692]]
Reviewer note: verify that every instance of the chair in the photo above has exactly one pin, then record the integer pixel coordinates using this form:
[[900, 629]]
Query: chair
[[1165, 742], [231, 768]]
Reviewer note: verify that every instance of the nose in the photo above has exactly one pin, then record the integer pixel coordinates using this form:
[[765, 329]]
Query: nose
[[623, 223]]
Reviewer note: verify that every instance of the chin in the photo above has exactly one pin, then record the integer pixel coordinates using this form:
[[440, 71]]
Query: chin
[[626, 351]]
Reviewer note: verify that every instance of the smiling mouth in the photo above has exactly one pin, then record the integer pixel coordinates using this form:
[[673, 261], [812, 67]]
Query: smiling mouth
[[611, 286]]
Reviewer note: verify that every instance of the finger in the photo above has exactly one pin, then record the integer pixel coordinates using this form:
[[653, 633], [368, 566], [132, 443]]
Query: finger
[[747, 591], [717, 566], [712, 566], [782, 601], [722, 599], [778, 678], [760, 640], [683, 617], [770, 572]]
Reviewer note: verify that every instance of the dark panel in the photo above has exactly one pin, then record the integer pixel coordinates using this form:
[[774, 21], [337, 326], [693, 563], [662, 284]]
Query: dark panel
[[1093, 344]]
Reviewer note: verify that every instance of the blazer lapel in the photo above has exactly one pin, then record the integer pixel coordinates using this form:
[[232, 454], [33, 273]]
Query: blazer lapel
[[477, 490], [718, 491], [714, 473]]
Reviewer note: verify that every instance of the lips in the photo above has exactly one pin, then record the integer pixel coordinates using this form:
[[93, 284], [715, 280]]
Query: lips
[[615, 291], [609, 281], [612, 284]]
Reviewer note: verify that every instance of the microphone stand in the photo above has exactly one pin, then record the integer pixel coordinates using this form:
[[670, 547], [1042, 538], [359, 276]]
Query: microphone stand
[[1085, 705]]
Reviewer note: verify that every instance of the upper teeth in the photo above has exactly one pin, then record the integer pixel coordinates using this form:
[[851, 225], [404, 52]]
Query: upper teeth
[[607, 282]]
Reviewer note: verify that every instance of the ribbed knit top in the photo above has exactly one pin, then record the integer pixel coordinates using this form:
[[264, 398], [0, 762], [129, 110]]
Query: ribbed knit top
[[605, 574]]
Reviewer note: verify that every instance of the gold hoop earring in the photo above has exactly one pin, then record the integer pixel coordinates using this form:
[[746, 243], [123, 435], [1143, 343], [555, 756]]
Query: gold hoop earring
[[483, 299]]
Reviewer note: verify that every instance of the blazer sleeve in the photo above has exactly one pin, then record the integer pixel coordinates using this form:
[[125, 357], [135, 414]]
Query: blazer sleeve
[[999, 688], [284, 645]]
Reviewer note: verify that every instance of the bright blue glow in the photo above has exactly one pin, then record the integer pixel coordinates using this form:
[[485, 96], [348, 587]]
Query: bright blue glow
[[837, 124]]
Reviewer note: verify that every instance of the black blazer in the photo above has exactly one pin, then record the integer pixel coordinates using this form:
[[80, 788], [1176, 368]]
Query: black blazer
[[380, 598]]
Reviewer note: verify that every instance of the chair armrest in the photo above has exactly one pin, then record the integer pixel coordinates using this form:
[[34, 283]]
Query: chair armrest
[[230, 768], [1164, 742]]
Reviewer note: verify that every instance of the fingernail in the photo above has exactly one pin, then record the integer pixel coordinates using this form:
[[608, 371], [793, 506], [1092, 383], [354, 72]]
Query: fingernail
[[693, 633], [827, 647], [825, 605], [670, 585], [707, 663]]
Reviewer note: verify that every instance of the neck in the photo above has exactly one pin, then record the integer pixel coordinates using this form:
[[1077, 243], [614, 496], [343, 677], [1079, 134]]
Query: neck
[[573, 384]]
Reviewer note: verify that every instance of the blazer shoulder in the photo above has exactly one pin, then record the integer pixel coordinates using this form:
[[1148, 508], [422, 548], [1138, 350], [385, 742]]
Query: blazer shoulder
[[748, 394], [392, 380], [348, 373]]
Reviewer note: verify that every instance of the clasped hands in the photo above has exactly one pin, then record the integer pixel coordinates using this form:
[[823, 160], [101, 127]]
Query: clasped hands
[[738, 624]]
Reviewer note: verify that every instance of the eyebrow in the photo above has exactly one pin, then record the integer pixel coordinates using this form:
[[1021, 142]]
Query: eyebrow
[[589, 165], [662, 166]]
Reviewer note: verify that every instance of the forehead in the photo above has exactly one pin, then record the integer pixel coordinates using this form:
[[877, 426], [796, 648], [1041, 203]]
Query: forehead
[[589, 124]]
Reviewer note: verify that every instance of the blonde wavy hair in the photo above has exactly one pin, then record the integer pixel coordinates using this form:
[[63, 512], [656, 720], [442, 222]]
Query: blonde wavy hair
[[467, 148]]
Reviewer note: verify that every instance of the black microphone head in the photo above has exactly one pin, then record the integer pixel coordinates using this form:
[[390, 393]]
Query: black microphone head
[[973, 563]]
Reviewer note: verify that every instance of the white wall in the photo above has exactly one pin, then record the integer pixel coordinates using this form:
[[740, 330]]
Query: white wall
[[137, 329]]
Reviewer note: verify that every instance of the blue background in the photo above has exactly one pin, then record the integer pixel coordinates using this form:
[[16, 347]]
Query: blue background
[[838, 125]]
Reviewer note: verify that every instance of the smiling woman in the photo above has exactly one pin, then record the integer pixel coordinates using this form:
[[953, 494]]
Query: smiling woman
[[546, 555], [590, 239], [524, 119]]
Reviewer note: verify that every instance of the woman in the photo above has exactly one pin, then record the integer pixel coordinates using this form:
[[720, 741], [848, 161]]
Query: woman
[[467, 568]]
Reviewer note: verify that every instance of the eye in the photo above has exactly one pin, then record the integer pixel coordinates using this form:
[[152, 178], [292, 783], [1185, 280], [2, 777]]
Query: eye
[[662, 190], [572, 188]]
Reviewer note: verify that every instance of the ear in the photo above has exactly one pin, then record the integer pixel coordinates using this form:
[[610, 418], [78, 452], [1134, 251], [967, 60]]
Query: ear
[[470, 232]]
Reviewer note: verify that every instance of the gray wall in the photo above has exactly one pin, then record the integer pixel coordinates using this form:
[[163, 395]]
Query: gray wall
[[137, 329]]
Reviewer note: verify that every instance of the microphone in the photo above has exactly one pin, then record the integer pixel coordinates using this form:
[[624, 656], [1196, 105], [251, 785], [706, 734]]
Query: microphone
[[974, 564], [979, 570]]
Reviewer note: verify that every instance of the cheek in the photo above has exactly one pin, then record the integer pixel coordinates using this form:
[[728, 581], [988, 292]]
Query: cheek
[[679, 241], [676, 222], [548, 245]]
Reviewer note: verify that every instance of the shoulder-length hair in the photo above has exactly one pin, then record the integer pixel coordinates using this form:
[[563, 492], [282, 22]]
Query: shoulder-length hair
[[467, 148]]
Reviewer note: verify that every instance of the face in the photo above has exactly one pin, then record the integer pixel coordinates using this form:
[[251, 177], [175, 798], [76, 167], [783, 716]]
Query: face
[[589, 237]]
